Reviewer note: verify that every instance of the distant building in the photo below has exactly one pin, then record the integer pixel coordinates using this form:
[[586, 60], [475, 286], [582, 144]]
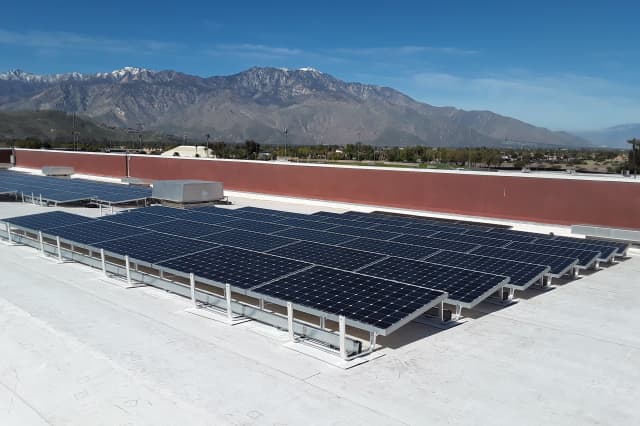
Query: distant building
[[187, 151]]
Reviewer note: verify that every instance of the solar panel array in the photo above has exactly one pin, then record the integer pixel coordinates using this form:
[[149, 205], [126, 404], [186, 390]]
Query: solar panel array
[[64, 190], [376, 270]]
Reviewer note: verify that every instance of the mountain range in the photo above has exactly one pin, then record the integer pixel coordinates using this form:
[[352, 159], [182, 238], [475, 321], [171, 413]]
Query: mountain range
[[612, 137], [314, 107]]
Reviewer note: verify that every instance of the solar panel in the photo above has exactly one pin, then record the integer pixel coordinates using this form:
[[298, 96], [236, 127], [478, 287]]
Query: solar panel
[[559, 265], [164, 211], [435, 243], [254, 225], [212, 219], [186, 228], [135, 218], [363, 232], [302, 223], [92, 232], [378, 219], [585, 257], [153, 247], [471, 239], [390, 248], [217, 210], [42, 221], [247, 240], [242, 269], [362, 300], [243, 214], [71, 190], [524, 238], [405, 230], [521, 274], [464, 287], [607, 251], [346, 222], [325, 255], [315, 236]]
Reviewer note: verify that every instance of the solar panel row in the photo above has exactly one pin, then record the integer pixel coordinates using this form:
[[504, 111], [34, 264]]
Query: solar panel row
[[70, 190]]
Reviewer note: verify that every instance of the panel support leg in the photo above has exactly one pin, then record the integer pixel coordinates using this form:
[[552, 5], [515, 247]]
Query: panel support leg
[[192, 285], [59, 246], [512, 293], [441, 311], [290, 321], [227, 295], [262, 304], [9, 233], [103, 262], [127, 267], [501, 293], [372, 340], [342, 327], [322, 322], [458, 313], [41, 242]]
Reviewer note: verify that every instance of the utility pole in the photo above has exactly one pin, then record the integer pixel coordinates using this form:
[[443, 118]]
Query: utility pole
[[286, 132], [75, 133], [207, 136], [140, 125]]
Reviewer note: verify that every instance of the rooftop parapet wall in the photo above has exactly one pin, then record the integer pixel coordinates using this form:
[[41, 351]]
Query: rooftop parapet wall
[[560, 200]]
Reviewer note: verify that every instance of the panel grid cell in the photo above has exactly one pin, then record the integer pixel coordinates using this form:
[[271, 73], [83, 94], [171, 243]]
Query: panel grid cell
[[390, 248], [315, 236], [242, 269], [463, 286], [435, 243], [367, 300], [325, 255], [247, 240]]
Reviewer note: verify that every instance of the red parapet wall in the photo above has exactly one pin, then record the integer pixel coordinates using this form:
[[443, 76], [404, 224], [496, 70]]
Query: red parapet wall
[[549, 200], [5, 155], [82, 162]]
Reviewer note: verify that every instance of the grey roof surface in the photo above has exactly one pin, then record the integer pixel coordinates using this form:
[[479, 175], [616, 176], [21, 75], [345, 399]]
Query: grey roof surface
[[76, 347]]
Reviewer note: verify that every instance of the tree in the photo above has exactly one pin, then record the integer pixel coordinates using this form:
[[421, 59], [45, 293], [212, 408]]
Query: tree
[[252, 148], [634, 155]]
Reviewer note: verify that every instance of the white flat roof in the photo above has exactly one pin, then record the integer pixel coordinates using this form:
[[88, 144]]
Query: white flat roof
[[79, 349]]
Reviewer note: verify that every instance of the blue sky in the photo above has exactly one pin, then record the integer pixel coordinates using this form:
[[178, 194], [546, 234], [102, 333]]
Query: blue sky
[[564, 64]]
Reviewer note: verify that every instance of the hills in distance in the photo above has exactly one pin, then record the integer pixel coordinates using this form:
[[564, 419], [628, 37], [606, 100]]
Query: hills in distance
[[258, 104]]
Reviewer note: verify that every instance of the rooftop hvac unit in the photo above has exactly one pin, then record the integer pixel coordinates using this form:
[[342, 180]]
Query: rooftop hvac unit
[[187, 191], [57, 171]]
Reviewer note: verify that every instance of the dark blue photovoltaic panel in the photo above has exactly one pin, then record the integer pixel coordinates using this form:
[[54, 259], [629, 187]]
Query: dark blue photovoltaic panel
[[279, 213], [153, 247], [42, 221], [379, 219], [68, 190], [346, 222], [435, 243], [558, 264], [463, 286], [240, 268], [186, 228], [93, 232], [405, 230], [261, 217], [366, 300], [325, 255], [520, 274], [327, 214], [255, 226], [606, 251], [621, 247], [247, 240], [302, 223], [471, 239], [217, 210], [585, 257], [363, 232], [315, 236], [163, 211], [390, 248], [524, 238], [212, 219], [135, 218]]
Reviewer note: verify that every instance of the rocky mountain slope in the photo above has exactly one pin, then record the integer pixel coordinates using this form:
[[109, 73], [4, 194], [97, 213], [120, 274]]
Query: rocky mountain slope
[[259, 103]]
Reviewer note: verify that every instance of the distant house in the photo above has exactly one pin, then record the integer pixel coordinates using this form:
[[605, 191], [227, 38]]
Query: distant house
[[187, 151]]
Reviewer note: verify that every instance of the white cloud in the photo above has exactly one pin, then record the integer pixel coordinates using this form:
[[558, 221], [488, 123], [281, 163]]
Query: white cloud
[[403, 50], [72, 41]]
